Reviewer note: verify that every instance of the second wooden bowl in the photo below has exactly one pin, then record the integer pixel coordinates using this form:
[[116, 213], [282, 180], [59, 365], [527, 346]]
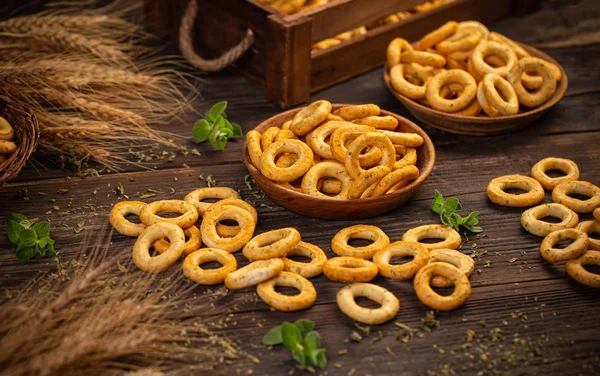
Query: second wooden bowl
[[327, 208]]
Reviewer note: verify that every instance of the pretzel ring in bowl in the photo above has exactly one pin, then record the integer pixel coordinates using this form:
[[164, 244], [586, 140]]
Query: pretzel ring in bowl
[[372, 139], [286, 303], [194, 241], [357, 111], [268, 137], [488, 48], [474, 25], [378, 122], [575, 268], [317, 138], [590, 227], [189, 214], [141, 248], [340, 246], [451, 238], [436, 36], [193, 261], [483, 102], [366, 180], [254, 273], [424, 58], [310, 117], [196, 196], [519, 51], [350, 269], [462, 262], [463, 40], [120, 223], [7, 132], [473, 109], [390, 305], [286, 174], [570, 168], [401, 249], [575, 249], [490, 85], [560, 194], [408, 156], [497, 194], [227, 231], [413, 140], [401, 85], [540, 67], [271, 244], [462, 286], [407, 173], [212, 217], [253, 145], [306, 270], [597, 214], [340, 137], [327, 169], [395, 49], [530, 219], [432, 92]]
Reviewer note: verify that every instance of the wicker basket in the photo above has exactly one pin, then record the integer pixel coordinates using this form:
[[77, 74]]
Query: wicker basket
[[26, 130]]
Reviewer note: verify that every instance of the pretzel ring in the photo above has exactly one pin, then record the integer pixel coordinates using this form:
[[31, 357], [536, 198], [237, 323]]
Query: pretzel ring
[[473, 109], [401, 85], [327, 169], [268, 137], [462, 262], [534, 82], [473, 72], [120, 223], [487, 48], [196, 196], [340, 246], [407, 173], [451, 238], [331, 186], [253, 145], [390, 305], [341, 136], [408, 156], [401, 249], [286, 174], [436, 36], [424, 58], [285, 134], [412, 140], [226, 231], [303, 300], [490, 85], [395, 49], [560, 194], [350, 269], [497, 194], [373, 139], [590, 227], [254, 273], [141, 248], [364, 181], [570, 168], [540, 67], [306, 270], [378, 122], [189, 214], [7, 147], [575, 268], [212, 217], [317, 138], [575, 249], [483, 102], [463, 40], [519, 51], [531, 222], [474, 25], [462, 286], [310, 117], [357, 111], [271, 244], [432, 92], [193, 244], [6, 130], [597, 214], [286, 124], [193, 261]]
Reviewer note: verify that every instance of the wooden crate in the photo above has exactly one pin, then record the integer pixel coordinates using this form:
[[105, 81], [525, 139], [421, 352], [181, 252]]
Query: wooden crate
[[280, 60]]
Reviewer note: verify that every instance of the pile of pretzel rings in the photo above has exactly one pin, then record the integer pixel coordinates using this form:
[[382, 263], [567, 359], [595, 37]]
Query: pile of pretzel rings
[[584, 250], [462, 68], [438, 264], [349, 153], [7, 146]]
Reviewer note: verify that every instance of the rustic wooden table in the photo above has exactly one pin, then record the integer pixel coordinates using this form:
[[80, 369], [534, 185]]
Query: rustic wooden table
[[528, 316]]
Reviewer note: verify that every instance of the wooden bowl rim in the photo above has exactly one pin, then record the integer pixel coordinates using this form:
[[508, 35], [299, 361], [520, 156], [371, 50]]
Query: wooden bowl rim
[[486, 120], [423, 173]]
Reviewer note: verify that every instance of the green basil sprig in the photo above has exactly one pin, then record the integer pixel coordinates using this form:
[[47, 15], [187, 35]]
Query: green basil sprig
[[215, 127], [302, 340], [31, 239], [447, 209]]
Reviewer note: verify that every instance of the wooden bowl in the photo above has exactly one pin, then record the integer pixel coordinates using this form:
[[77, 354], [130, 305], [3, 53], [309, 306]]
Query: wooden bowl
[[326, 208], [481, 125]]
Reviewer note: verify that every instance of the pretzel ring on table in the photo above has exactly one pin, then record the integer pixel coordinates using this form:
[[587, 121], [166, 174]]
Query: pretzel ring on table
[[306, 270], [401, 85], [327, 169], [340, 246], [317, 138], [462, 262], [378, 122], [212, 217], [339, 138], [193, 243], [350, 269], [253, 145], [560, 194], [373, 139], [193, 261], [540, 67], [394, 51], [424, 58], [519, 51], [227, 231], [590, 227], [120, 223], [364, 181], [436, 36], [401, 249], [575, 249], [530, 219], [474, 25], [473, 109], [286, 303], [271, 244], [497, 194], [196, 196], [254, 273], [406, 173], [310, 117], [483, 102], [570, 168], [7, 147], [462, 286], [268, 137], [451, 238], [408, 156], [412, 140], [463, 40], [189, 214], [303, 162], [490, 85], [141, 248], [575, 269], [390, 305], [488, 48], [432, 92], [357, 111]]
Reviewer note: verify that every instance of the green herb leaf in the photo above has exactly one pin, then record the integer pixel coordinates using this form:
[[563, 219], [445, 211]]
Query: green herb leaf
[[471, 219], [27, 237], [304, 326], [42, 229], [299, 357], [290, 335], [310, 352], [273, 336], [448, 209], [215, 111], [26, 253], [14, 228], [237, 130], [201, 131], [438, 202], [16, 217], [321, 358], [452, 204], [218, 139], [314, 337]]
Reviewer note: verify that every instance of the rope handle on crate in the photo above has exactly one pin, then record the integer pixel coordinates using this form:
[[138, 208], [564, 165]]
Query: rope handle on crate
[[187, 47]]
